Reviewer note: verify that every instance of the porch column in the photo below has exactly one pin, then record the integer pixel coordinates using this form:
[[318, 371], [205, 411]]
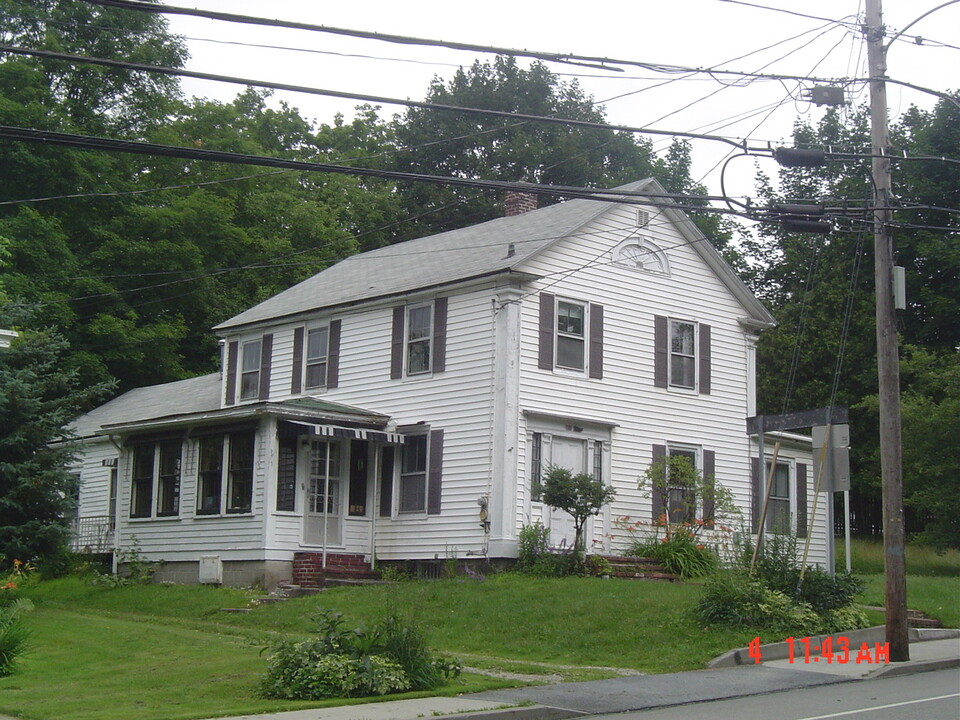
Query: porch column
[[505, 428]]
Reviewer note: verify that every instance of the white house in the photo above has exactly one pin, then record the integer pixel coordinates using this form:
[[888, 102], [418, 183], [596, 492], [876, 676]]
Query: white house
[[400, 404]]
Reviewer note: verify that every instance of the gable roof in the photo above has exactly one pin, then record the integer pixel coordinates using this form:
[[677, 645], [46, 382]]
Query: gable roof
[[493, 247]]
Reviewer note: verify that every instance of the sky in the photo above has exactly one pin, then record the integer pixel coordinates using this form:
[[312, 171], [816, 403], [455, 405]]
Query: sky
[[721, 34]]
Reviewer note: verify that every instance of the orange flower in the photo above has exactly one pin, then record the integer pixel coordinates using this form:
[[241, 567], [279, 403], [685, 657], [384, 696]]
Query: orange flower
[[10, 586]]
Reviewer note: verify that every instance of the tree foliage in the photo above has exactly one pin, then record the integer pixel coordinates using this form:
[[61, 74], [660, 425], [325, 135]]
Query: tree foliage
[[817, 286], [581, 495], [38, 398]]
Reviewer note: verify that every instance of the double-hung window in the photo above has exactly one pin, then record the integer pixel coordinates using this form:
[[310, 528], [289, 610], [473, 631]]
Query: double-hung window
[[413, 475], [250, 357], [683, 358], [681, 497], [419, 335], [571, 338], [779, 512], [225, 474], [316, 357], [155, 487]]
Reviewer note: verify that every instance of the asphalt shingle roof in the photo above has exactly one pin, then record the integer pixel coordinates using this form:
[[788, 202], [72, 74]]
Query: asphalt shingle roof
[[430, 261]]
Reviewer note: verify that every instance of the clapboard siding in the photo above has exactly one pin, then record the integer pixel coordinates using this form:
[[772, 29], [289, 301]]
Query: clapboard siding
[[644, 415], [457, 400]]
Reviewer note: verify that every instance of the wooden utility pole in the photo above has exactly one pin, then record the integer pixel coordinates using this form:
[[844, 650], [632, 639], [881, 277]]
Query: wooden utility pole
[[888, 361]]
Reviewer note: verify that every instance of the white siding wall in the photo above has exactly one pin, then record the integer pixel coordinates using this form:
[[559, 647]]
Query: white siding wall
[[188, 536], [458, 401], [644, 415]]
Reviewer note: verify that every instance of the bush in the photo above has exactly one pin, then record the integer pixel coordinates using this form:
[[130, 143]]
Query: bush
[[392, 656], [13, 635], [536, 557], [774, 596]]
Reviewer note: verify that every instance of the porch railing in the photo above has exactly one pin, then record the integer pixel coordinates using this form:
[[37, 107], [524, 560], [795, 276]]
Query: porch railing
[[92, 534]]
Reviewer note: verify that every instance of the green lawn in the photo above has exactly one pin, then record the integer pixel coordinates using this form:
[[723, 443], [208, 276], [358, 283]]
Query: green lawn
[[168, 652], [165, 652]]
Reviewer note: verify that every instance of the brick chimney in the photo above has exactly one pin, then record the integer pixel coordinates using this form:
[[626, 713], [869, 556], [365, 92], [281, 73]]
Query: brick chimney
[[517, 203]]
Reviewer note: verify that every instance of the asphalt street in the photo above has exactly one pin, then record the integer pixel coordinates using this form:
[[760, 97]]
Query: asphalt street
[[924, 696]]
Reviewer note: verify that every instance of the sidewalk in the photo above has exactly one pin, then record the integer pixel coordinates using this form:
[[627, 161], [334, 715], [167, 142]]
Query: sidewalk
[[929, 650]]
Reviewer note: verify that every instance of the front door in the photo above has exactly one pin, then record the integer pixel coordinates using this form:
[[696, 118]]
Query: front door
[[322, 521], [569, 453]]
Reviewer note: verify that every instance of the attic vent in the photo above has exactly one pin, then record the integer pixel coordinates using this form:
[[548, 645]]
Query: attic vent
[[643, 218]]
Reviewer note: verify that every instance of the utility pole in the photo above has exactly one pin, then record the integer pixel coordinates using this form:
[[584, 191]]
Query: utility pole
[[888, 361]]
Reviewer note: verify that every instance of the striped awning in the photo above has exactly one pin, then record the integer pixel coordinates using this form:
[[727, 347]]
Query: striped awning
[[297, 427]]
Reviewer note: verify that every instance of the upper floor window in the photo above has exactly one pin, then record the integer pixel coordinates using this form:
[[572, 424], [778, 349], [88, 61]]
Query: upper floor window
[[682, 355], [571, 335], [419, 339], [250, 355], [155, 486], [316, 357]]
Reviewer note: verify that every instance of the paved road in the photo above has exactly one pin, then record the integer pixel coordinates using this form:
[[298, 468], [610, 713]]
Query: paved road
[[924, 696]]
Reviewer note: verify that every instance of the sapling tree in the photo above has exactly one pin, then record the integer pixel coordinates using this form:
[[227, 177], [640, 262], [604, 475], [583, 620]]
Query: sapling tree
[[580, 495]]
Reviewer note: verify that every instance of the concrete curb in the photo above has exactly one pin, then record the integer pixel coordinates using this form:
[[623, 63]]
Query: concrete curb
[[871, 635], [909, 668]]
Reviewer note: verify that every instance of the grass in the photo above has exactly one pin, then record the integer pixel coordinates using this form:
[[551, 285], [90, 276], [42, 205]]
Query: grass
[[933, 579], [166, 652], [866, 558]]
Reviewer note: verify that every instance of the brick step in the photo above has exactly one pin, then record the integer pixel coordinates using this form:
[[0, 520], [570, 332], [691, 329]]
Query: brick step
[[638, 568]]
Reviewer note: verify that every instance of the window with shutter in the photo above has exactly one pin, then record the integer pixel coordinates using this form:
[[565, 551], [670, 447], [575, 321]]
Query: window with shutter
[[419, 339], [571, 336], [682, 355]]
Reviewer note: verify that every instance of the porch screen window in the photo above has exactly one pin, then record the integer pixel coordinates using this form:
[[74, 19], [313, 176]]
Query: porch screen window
[[570, 335], [142, 495], [682, 355], [240, 477], [778, 510], [413, 475], [419, 333], [168, 485], [317, 348], [681, 498], [250, 370], [536, 466], [211, 472]]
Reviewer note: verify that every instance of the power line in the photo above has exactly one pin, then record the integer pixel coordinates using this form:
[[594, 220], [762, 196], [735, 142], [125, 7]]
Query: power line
[[125, 65]]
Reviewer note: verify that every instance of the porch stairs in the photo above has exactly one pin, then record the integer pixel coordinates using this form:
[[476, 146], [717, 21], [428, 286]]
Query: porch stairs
[[638, 568], [341, 569]]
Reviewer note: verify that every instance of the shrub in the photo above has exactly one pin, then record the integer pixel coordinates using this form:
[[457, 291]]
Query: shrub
[[733, 599], [306, 671], [13, 634], [536, 557], [391, 656]]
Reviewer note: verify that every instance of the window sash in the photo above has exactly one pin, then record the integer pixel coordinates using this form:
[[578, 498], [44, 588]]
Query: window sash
[[683, 367], [779, 510], [210, 475], [413, 475], [571, 341], [318, 348], [250, 370], [681, 498], [419, 338], [240, 473], [168, 479], [141, 495]]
